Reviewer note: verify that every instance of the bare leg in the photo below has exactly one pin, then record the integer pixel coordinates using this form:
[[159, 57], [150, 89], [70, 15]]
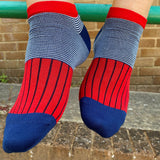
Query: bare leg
[[30, 2], [140, 6]]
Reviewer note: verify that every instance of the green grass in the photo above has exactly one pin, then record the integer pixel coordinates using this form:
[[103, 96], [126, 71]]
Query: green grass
[[3, 78]]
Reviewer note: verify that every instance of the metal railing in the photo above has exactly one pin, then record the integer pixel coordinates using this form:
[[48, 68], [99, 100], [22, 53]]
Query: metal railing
[[88, 12]]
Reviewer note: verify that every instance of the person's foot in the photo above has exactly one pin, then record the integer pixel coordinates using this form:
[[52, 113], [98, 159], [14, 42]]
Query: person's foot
[[104, 92], [58, 42]]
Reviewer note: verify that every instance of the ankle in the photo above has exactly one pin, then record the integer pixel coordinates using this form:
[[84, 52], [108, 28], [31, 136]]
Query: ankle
[[30, 2]]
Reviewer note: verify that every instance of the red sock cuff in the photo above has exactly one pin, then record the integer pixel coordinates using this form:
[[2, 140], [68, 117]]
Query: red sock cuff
[[123, 13], [53, 6]]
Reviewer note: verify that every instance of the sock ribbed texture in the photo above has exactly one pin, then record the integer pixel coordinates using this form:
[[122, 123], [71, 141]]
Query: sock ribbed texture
[[58, 42], [104, 92]]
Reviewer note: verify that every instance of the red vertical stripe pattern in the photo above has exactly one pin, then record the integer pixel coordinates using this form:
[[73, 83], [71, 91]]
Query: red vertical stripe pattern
[[45, 88], [107, 81]]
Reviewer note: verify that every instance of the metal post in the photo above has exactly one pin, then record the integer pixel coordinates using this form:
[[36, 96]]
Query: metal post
[[88, 12]]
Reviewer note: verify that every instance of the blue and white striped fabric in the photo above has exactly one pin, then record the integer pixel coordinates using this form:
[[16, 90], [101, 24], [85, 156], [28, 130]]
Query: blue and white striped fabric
[[58, 36], [118, 40]]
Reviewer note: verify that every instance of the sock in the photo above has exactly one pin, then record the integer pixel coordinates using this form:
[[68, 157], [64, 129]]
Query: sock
[[58, 42], [104, 92]]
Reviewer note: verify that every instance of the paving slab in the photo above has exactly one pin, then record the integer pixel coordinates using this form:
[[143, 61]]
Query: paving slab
[[70, 139], [143, 111], [79, 143]]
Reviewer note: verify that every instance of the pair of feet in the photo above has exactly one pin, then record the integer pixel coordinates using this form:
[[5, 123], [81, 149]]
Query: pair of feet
[[58, 42]]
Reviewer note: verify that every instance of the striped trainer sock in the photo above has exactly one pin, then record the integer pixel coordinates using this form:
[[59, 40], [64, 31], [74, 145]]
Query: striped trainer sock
[[58, 42], [104, 92]]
